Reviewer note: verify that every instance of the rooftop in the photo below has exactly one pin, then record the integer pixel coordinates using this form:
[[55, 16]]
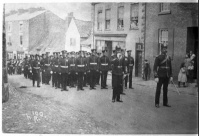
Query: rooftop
[[84, 27]]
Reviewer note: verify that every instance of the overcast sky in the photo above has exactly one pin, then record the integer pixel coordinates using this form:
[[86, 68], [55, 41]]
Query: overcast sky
[[81, 10]]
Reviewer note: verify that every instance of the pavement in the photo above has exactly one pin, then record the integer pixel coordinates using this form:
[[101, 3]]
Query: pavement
[[136, 115]]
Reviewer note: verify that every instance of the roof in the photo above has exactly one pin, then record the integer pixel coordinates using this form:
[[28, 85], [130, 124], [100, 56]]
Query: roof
[[23, 16], [88, 41], [84, 27]]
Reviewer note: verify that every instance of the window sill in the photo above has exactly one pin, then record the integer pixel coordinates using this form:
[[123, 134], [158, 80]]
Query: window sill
[[107, 29], [164, 12], [135, 28], [122, 29]]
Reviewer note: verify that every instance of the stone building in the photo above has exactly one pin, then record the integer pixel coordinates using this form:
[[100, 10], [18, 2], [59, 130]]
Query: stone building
[[120, 24], [175, 24]]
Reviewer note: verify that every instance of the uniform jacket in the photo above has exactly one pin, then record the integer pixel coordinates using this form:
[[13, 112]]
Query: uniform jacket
[[93, 63], [64, 65], [35, 66], [56, 63], [111, 61], [118, 66], [47, 64], [72, 64], [162, 66], [126, 64], [130, 63], [104, 64], [80, 64]]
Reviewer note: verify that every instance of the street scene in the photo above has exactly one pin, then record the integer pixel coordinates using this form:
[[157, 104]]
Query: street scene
[[100, 68]]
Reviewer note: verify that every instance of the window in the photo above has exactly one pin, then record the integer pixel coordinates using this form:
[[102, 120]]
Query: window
[[72, 42], [121, 44], [10, 55], [163, 38], [164, 7], [21, 39], [9, 40], [107, 19], [100, 44], [99, 20], [20, 26], [134, 15], [120, 21], [9, 26]]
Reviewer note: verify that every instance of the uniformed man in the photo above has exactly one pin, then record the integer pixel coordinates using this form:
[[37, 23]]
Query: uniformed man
[[72, 69], [57, 70], [53, 72], [43, 68], [93, 67], [85, 75], [117, 71], [30, 62], [68, 56], [162, 73], [47, 68], [36, 70], [64, 67], [125, 78], [104, 68], [111, 60], [98, 72], [130, 68], [80, 70]]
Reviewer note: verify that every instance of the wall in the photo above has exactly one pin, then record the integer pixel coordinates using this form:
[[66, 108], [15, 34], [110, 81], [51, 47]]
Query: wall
[[72, 32], [182, 16]]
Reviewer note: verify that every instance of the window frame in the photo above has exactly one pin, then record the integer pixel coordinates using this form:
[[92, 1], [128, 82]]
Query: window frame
[[107, 29], [72, 41], [163, 12], [21, 39], [98, 21], [160, 38], [134, 28], [122, 28]]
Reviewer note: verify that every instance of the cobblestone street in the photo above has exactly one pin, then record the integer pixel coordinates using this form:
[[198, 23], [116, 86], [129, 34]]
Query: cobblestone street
[[48, 110]]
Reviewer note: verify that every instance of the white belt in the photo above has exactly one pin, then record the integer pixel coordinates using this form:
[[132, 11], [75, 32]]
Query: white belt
[[105, 64], [130, 64], [81, 65], [47, 64], [64, 66], [56, 65], [93, 63], [119, 66], [36, 67], [72, 64]]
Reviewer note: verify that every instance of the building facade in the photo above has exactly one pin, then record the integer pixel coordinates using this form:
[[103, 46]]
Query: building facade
[[174, 24], [120, 24]]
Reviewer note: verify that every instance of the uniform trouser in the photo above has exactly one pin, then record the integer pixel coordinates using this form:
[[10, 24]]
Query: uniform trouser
[[88, 78], [162, 81], [36, 77], [80, 80], [104, 78], [13, 70], [72, 78], [57, 80], [117, 87], [92, 78], [112, 79], [130, 80], [84, 79], [97, 77], [64, 77], [53, 79], [43, 76], [145, 75]]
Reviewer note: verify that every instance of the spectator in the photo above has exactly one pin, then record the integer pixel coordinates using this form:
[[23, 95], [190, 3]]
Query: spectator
[[146, 70], [182, 78], [190, 72]]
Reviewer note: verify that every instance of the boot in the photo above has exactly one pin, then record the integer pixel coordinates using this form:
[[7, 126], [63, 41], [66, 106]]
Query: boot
[[179, 84]]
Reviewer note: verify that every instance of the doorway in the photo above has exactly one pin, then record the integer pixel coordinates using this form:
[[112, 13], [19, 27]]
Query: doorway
[[138, 63], [193, 45], [109, 48]]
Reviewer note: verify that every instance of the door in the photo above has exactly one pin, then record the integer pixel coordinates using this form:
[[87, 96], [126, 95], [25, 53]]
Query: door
[[109, 48], [138, 63]]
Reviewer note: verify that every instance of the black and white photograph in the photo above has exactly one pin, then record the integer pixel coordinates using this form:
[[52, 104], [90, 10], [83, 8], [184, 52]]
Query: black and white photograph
[[100, 67]]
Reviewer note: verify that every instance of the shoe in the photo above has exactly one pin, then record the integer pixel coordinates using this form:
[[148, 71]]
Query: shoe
[[157, 105], [90, 88], [105, 88], [113, 100], [131, 88], [82, 89], [102, 87], [123, 93], [119, 101], [125, 87], [62, 90], [94, 88], [38, 86], [166, 105]]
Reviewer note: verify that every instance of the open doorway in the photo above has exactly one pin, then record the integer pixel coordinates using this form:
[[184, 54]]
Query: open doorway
[[109, 48]]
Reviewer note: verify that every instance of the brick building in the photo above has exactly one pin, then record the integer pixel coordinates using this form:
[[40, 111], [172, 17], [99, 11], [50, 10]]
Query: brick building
[[26, 31], [120, 24], [175, 24]]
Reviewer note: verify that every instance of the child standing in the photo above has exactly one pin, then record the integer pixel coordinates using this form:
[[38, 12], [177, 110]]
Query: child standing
[[182, 78]]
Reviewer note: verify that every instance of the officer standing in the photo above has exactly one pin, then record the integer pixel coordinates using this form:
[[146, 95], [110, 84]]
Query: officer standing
[[47, 67], [93, 68], [104, 68], [57, 71], [85, 75], [162, 73], [130, 68], [124, 79], [80, 70], [72, 69], [117, 71], [111, 60], [87, 72], [64, 67], [36, 70], [42, 68], [53, 72], [98, 72]]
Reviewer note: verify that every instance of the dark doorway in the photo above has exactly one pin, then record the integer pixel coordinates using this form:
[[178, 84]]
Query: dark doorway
[[193, 45], [138, 63], [109, 48]]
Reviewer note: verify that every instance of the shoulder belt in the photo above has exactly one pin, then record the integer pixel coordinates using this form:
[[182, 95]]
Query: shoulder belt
[[164, 60]]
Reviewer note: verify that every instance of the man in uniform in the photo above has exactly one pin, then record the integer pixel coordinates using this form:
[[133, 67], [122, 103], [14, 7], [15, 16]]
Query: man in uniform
[[111, 60], [163, 73], [98, 72], [53, 72], [85, 75], [104, 67], [64, 68], [80, 70], [57, 70], [72, 69], [36, 70], [42, 68], [125, 77], [47, 67], [130, 68], [26, 66], [93, 66], [117, 71]]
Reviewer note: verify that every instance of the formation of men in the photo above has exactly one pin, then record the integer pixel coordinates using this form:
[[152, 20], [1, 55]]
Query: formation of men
[[80, 69]]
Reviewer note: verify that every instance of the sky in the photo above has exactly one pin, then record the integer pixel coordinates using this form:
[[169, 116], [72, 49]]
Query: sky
[[81, 11]]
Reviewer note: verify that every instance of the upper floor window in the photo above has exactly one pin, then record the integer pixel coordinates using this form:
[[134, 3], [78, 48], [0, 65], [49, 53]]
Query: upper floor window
[[134, 15], [72, 42], [9, 40], [21, 26], [163, 38], [99, 20], [120, 20], [9, 26], [21, 39], [107, 17], [164, 8]]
